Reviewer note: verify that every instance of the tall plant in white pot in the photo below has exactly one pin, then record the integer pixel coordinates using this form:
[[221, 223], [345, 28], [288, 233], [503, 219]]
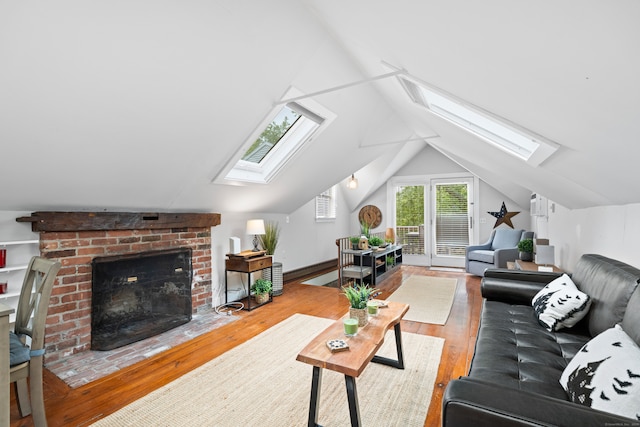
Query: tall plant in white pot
[[269, 242]]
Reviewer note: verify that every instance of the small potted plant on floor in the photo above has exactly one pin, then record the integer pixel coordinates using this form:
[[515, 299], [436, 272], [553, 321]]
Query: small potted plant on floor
[[261, 289], [525, 248], [358, 295]]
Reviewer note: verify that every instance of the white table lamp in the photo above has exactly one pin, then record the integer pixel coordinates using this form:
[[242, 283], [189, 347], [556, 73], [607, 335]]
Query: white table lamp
[[255, 227]]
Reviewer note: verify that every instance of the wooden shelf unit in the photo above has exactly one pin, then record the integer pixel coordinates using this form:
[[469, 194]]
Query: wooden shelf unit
[[372, 263]]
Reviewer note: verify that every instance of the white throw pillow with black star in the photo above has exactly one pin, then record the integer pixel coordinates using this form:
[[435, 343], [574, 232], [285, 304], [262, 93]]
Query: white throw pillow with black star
[[605, 374], [560, 304]]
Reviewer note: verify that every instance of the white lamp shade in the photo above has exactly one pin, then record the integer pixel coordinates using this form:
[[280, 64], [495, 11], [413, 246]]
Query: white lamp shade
[[255, 226]]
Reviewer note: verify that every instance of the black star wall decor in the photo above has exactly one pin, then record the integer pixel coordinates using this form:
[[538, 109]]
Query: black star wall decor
[[503, 216]]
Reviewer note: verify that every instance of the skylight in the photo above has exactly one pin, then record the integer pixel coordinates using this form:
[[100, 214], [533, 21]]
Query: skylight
[[510, 138], [284, 132]]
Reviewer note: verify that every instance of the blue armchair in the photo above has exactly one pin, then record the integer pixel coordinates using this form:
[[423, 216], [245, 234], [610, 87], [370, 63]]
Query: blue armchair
[[501, 247]]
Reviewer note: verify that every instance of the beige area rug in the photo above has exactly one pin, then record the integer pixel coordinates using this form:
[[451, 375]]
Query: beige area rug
[[259, 383], [430, 298]]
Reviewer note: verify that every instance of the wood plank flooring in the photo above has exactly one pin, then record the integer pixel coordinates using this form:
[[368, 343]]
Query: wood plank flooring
[[86, 404]]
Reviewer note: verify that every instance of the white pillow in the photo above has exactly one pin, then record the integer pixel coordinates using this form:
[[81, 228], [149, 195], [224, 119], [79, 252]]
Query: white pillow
[[605, 374], [560, 304]]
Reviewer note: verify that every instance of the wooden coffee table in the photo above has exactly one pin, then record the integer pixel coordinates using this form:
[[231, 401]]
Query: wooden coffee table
[[362, 350]]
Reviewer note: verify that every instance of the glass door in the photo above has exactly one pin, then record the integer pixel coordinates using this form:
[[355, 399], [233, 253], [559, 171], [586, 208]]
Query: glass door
[[452, 223], [410, 214]]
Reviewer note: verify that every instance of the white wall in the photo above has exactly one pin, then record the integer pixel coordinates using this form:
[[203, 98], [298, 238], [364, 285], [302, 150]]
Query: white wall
[[303, 241], [430, 163], [11, 230], [611, 231]]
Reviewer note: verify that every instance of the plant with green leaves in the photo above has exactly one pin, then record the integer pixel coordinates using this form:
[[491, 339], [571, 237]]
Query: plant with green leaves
[[526, 246], [354, 240], [375, 241], [358, 295], [269, 240], [390, 259], [261, 286], [364, 229]]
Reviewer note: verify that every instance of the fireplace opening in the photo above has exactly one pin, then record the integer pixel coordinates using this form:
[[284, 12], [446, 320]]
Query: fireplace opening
[[138, 296]]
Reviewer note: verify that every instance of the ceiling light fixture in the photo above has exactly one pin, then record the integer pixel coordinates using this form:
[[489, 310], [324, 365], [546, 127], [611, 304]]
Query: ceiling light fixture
[[352, 184]]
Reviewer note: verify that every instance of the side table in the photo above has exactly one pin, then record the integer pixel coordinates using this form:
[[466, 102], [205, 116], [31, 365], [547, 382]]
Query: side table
[[532, 266], [247, 264]]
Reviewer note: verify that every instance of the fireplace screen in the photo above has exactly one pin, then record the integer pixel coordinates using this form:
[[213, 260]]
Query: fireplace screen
[[138, 296]]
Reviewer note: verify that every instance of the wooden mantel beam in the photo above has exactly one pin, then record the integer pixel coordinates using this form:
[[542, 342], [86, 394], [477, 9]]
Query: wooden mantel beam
[[87, 221]]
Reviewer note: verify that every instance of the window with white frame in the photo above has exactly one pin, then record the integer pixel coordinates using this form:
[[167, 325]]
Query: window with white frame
[[326, 205], [507, 136], [285, 131]]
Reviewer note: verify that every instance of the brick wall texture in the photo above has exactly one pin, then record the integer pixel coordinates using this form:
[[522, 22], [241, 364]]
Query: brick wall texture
[[68, 329]]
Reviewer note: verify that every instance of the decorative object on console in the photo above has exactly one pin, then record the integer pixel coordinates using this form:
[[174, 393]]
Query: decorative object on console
[[355, 241], [269, 242], [525, 249], [363, 244], [234, 245], [269, 239], [375, 242], [560, 304], [255, 227], [503, 216], [390, 236], [605, 374]]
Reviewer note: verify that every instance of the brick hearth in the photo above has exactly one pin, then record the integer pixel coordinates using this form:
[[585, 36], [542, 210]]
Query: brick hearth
[[68, 328]]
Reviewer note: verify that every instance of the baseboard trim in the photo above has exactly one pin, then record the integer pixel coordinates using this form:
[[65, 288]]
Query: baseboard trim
[[310, 270]]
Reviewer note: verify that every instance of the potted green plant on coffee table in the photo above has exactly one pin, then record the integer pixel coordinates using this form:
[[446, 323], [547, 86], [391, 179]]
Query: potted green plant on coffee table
[[358, 296]]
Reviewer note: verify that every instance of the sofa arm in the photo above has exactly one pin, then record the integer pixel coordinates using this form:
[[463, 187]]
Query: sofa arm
[[514, 286], [502, 256], [471, 402], [483, 247]]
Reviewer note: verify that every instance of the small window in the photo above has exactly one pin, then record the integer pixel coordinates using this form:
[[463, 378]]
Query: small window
[[508, 137], [287, 129], [326, 205]]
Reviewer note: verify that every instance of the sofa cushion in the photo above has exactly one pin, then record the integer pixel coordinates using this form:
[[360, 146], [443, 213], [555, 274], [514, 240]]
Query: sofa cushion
[[506, 238], [610, 284], [560, 304], [514, 351], [631, 319], [605, 374], [481, 255]]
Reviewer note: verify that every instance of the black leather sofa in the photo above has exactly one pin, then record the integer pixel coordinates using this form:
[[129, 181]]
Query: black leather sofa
[[514, 375]]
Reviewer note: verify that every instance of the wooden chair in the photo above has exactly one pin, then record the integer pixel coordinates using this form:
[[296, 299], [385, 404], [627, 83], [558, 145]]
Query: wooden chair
[[31, 316]]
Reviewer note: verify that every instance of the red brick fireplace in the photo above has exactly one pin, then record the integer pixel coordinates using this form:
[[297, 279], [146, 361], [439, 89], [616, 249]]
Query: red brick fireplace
[[75, 238]]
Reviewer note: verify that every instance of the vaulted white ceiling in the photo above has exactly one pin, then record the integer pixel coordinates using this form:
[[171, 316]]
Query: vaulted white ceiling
[[138, 105]]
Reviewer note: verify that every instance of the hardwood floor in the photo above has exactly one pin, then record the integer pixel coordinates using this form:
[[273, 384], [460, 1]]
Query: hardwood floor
[[86, 404]]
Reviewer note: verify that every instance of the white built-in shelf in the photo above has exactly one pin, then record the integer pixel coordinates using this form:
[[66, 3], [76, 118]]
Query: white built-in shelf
[[18, 261], [13, 268], [20, 242]]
